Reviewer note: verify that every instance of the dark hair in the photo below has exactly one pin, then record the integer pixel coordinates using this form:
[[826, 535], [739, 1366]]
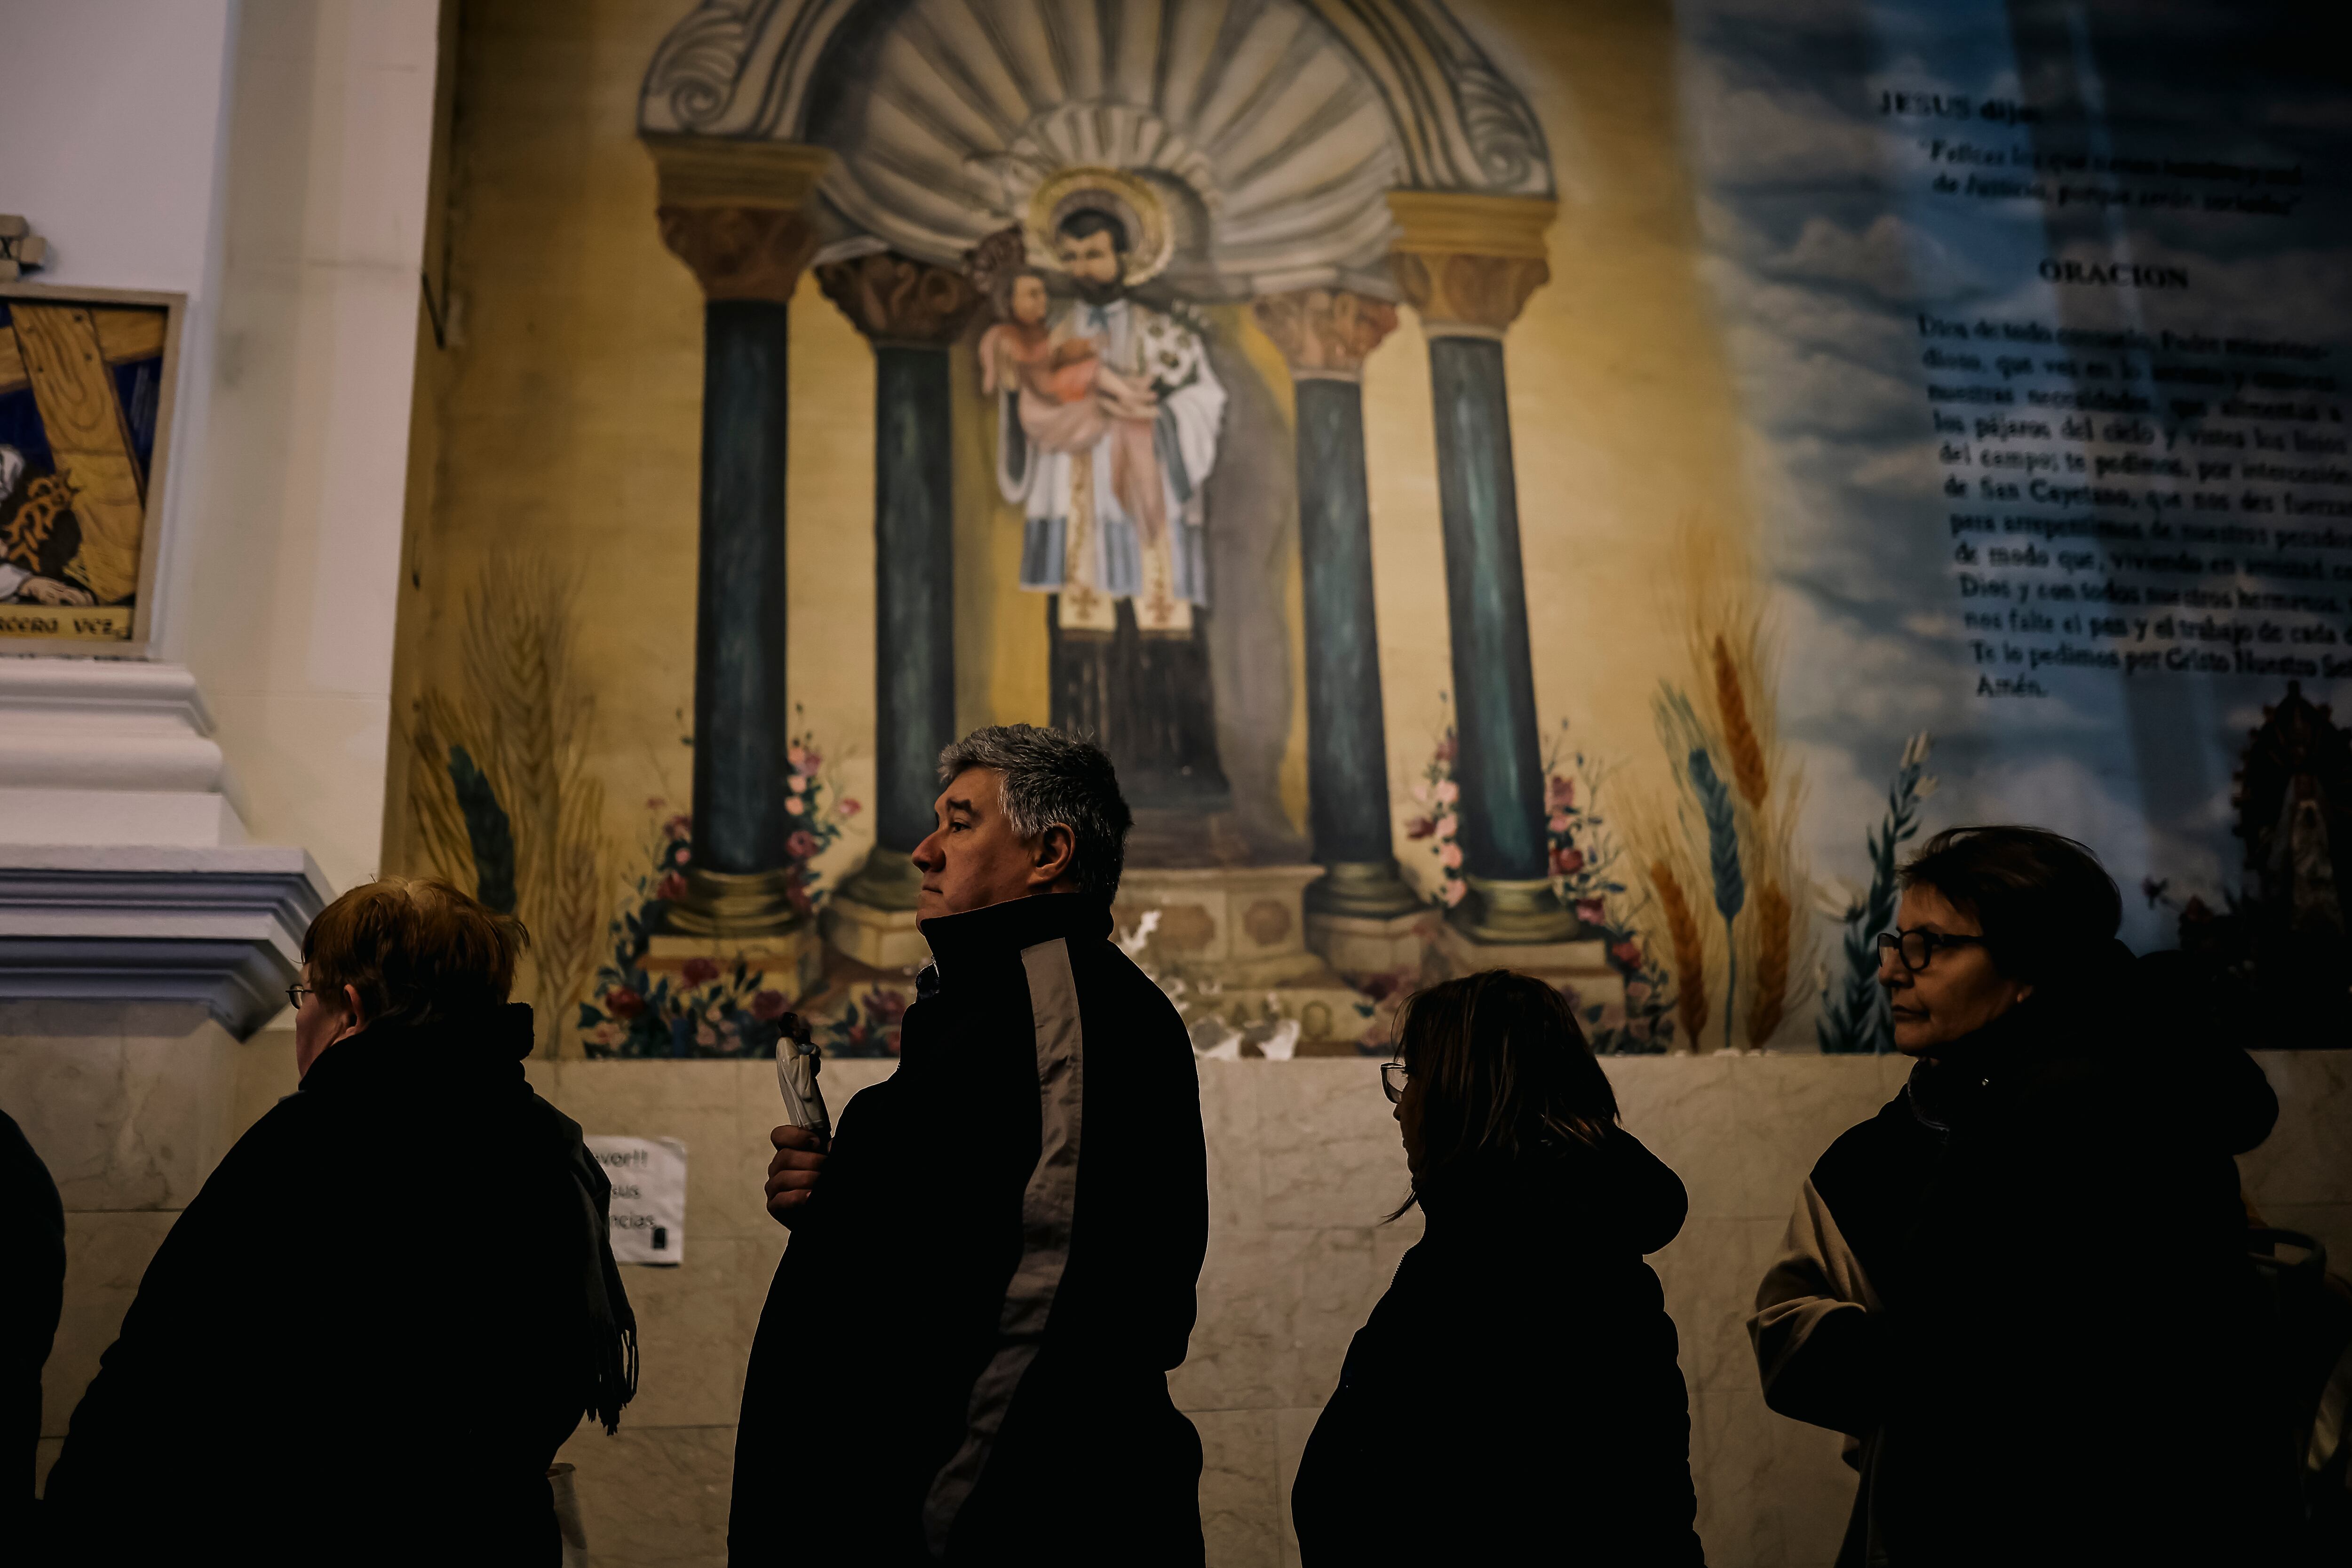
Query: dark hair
[[2042, 899], [1094, 220], [418, 951], [1050, 776], [1502, 1069]]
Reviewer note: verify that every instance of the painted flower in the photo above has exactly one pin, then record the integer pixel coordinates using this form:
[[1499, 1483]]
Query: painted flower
[[1448, 793], [1636, 991], [1445, 748], [810, 762], [797, 755], [1420, 827], [1450, 856], [1455, 890], [731, 1035], [623, 1003], [678, 827], [672, 887], [705, 1035], [1448, 825], [1562, 792], [801, 845], [767, 1006], [1421, 792], [850, 808], [1567, 862], [1628, 954], [683, 854], [654, 802], [1558, 822], [796, 806], [1590, 912], [698, 971], [886, 1006], [795, 784], [607, 1034]]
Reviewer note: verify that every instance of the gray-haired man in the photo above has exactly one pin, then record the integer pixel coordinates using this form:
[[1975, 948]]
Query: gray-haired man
[[964, 1354]]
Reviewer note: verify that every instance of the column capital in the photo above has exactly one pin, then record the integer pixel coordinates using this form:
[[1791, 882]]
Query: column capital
[[737, 212], [896, 299], [1469, 262], [1325, 333]]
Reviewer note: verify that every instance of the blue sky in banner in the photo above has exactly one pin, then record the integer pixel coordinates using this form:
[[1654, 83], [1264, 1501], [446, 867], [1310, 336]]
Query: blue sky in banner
[[2038, 312]]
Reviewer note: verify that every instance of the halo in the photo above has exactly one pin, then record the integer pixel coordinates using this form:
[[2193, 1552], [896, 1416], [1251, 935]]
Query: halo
[[1151, 239]]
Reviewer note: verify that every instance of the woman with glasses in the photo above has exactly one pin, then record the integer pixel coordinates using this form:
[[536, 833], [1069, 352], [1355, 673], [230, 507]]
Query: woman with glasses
[[1515, 1396], [2022, 1289]]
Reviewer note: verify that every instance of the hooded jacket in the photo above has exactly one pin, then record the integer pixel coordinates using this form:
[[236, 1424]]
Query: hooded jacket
[[1515, 1396], [2023, 1291], [965, 1349], [365, 1338]]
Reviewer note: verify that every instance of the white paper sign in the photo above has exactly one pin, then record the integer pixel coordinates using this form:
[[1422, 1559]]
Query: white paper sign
[[648, 1177]]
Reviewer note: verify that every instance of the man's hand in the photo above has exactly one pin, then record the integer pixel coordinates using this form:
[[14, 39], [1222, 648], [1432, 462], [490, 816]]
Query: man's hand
[[793, 1174]]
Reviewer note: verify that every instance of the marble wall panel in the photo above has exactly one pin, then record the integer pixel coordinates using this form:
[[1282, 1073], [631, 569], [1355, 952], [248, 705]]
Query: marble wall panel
[[2307, 1159], [107, 1253], [1239, 1478], [129, 1104], [1329, 1141], [654, 1497]]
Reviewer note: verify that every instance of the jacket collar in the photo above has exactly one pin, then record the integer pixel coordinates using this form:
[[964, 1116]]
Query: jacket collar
[[1000, 931], [488, 1045]]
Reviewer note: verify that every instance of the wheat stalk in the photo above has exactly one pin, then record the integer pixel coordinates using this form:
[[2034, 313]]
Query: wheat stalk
[[1769, 989], [1690, 949], [1740, 736]]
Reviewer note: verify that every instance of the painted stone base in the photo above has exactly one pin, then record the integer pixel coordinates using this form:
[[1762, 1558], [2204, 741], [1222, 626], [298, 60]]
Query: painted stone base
[[876, 937], [1581, 968], [1361, 944], [792, 960], [1230, 926]]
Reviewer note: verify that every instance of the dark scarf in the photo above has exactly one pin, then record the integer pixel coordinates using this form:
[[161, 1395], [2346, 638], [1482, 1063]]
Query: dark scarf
[[483, 1055]]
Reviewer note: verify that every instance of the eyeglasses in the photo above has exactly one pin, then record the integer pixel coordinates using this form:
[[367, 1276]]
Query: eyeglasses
[[1392, 1077], [294, 994], [1918, 949]]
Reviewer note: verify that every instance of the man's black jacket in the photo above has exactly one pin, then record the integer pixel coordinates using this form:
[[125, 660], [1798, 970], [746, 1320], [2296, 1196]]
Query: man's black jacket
[[964, 1352], [366, 1337]]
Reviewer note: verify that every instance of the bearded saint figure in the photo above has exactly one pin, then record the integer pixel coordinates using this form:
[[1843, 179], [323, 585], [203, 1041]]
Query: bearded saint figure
[[1108, 428]]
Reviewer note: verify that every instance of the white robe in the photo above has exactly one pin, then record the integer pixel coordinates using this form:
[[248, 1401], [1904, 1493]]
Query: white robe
[[1077, 540]]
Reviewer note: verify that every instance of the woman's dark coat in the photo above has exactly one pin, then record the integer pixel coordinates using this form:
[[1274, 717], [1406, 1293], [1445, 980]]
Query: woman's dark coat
[[2024, 1290], [1515, 1396], [365, 1338], [965, 1350]]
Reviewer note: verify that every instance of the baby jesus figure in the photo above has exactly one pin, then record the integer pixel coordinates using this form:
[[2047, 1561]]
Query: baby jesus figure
[[1069, 401]]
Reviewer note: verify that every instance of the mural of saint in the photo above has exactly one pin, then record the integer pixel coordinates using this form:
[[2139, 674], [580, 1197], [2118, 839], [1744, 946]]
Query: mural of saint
[[1109, 418]]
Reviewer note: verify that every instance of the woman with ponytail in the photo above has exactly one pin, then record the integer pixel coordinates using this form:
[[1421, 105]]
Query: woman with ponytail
[[1515, 1396]]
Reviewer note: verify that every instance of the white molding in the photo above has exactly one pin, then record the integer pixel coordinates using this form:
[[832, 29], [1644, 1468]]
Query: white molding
[[220, 928], [111, 729]]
